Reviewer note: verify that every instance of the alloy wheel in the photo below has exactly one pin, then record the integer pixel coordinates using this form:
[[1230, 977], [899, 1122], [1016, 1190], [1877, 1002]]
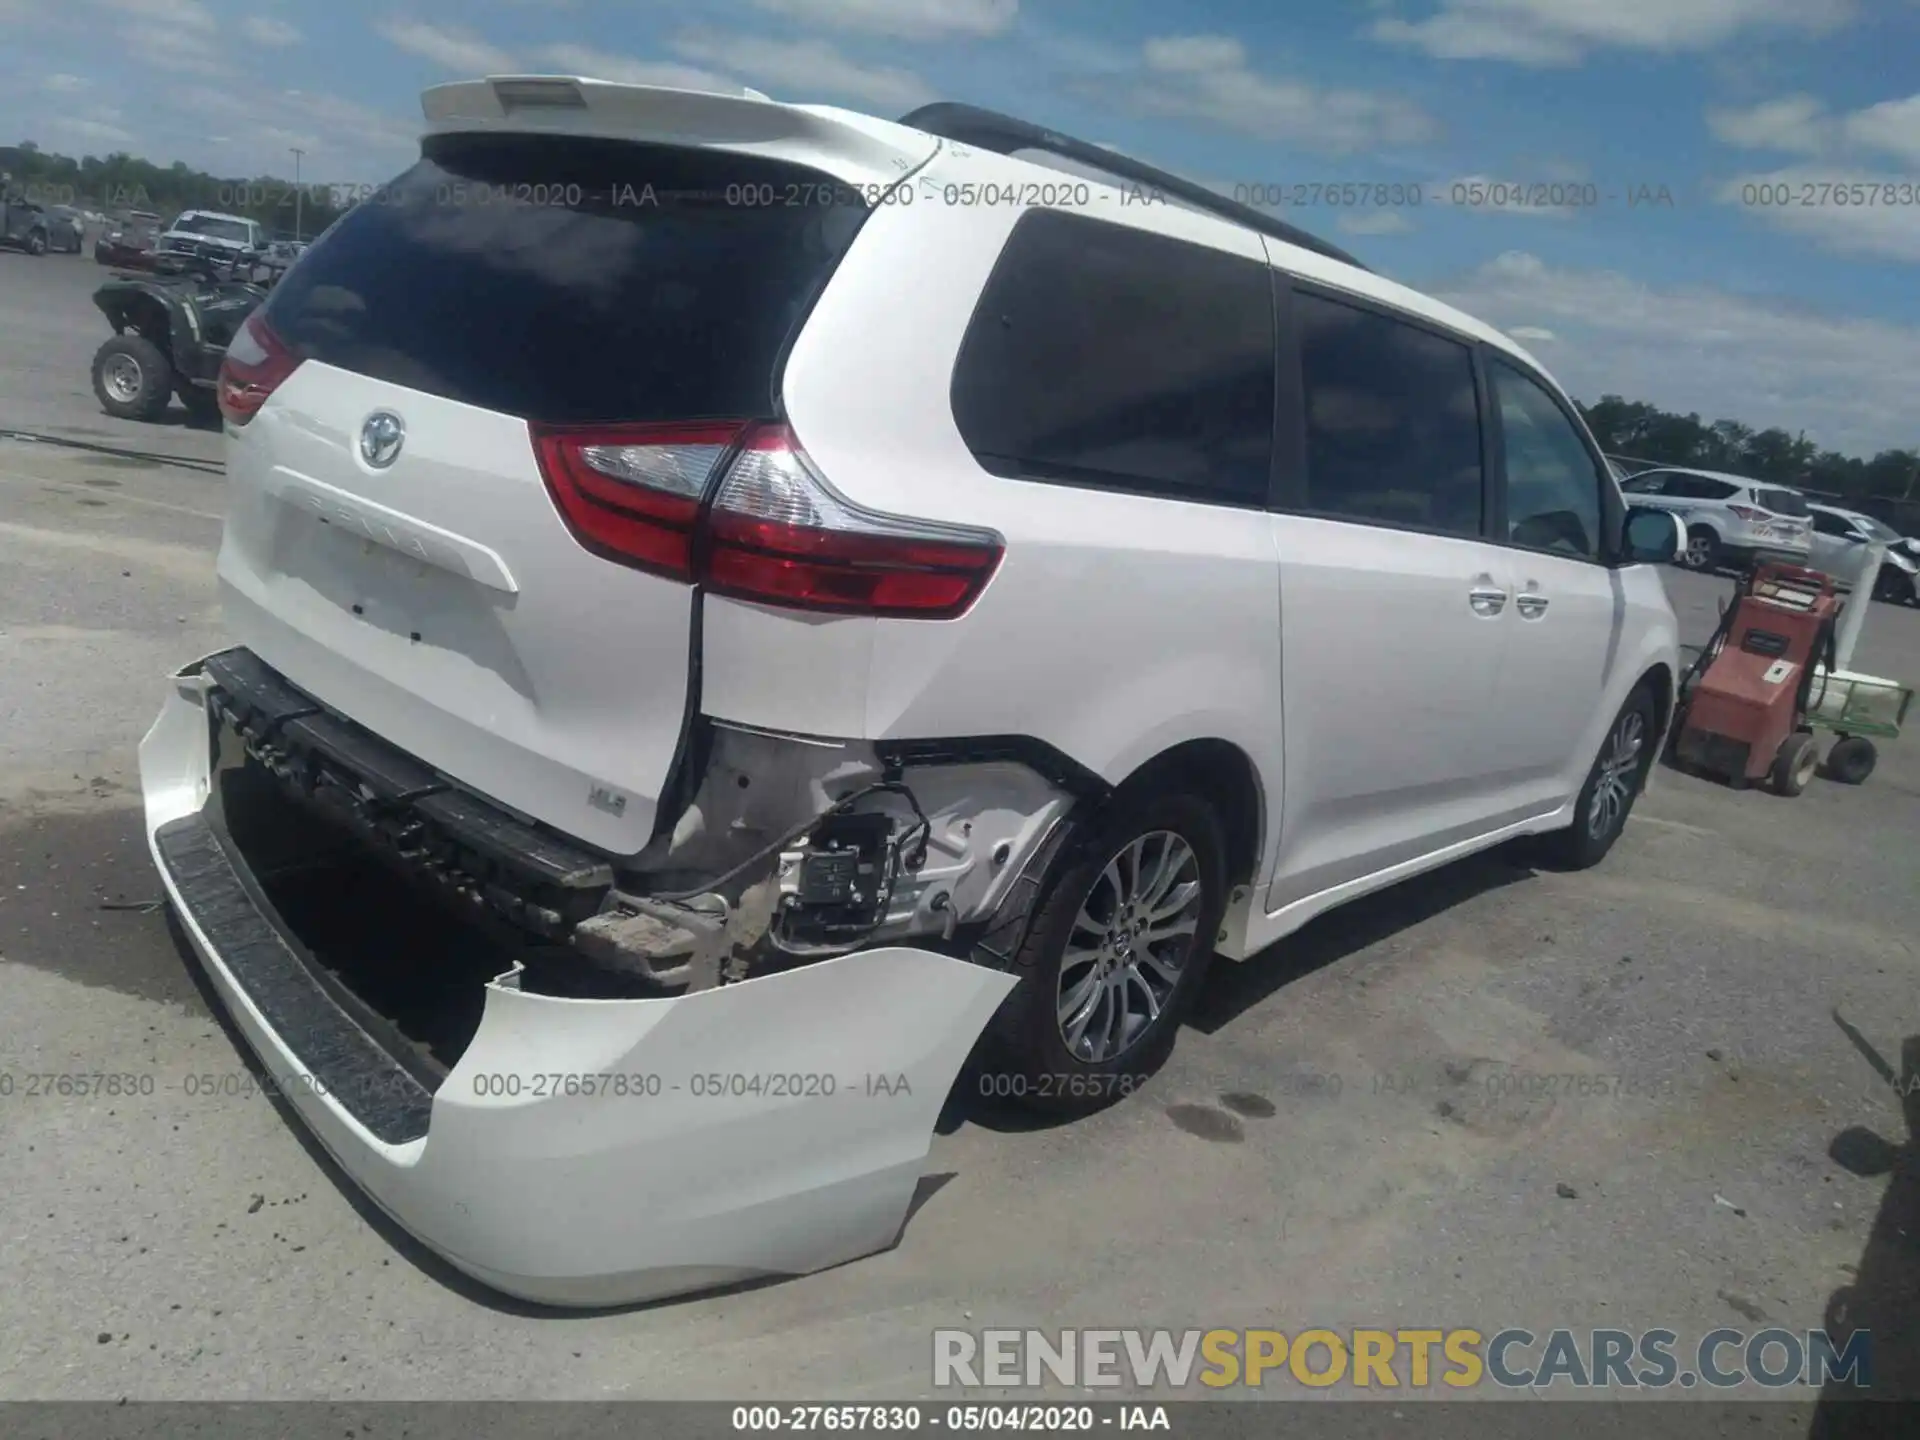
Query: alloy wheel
[[1619, 771], [1129, 944]]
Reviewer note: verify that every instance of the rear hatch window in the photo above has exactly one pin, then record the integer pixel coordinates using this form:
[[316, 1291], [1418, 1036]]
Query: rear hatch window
[[1783, 502], [573, 280]]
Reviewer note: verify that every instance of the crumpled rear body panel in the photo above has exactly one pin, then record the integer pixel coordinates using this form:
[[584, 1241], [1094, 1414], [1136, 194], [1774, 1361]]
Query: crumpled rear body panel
[[595, 1152]]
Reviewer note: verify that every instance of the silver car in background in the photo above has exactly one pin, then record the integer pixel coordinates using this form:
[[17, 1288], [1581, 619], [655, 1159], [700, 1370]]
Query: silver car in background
[[1839, 540], [1729, 520]]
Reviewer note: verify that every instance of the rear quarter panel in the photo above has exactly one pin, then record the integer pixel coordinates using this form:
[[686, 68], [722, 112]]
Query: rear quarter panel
[[1117, 625]]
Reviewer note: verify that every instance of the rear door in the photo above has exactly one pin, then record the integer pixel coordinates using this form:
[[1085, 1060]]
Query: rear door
[[426, 585], [1552, 514], [1395, 611]]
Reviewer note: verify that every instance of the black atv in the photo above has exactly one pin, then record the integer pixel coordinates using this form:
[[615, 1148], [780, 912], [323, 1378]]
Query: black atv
[[170, 335]]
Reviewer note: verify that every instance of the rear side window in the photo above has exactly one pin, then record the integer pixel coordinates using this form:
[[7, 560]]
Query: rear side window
[[1783, 502], [1112, 358], [570, 280], [1393, 423]]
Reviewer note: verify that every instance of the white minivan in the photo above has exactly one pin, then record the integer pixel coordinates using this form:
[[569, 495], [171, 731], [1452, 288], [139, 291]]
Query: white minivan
[[825, 591]]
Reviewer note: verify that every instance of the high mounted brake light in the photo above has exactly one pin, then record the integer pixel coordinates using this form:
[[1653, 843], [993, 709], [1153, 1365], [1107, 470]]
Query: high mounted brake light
[[770, 529], [257, 362]]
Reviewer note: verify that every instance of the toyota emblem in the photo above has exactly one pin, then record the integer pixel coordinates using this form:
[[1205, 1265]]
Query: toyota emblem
[[381, 438]]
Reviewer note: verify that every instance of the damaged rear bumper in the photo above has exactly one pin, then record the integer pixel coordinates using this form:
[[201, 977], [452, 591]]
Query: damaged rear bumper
[[592, 1152]]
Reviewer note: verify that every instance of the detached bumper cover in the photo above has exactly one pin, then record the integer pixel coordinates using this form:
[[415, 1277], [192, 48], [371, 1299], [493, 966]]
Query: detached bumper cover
[[594, 1152]]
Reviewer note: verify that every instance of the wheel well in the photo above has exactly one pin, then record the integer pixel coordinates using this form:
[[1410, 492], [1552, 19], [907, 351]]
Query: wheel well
[[147, 318], [1658, 682], [1220, 773]]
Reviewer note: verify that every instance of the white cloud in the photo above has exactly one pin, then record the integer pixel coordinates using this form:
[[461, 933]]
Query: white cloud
[[91, 131], [265, 30], [1855, 212], [1892, 127], [903, 19], [1841, 195], [802, 70], [1847, 381], [1531, 334], [1560, 32], [591, 64], [183, 14], [1207, 78], [166, 47], [449, 47], [1795, 123], [60, 84], [1374, 222]]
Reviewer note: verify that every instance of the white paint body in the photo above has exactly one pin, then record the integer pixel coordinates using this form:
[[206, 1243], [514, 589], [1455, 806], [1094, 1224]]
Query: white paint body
[[1391, 726]]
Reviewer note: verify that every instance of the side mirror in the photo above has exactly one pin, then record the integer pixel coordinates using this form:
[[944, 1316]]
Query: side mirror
[[1653, 537]]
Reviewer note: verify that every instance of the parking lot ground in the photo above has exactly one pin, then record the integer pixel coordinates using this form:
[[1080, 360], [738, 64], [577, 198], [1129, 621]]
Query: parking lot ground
[[1490, 1097]]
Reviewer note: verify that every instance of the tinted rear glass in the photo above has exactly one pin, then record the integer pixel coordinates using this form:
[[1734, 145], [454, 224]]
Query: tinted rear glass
[[1117, 359], [1783, 502], [572, 280]]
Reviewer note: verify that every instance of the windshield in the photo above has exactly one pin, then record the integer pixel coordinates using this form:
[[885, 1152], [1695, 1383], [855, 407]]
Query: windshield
[[1877, 529], [213, 228]]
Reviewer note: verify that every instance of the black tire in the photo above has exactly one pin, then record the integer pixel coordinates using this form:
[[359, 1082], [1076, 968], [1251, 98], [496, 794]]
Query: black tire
[[203, 406], [1597, 822], [144, 397], [1851, 760], [1703, 551], [1027, 1053], [1795, 764], [1894, 586]]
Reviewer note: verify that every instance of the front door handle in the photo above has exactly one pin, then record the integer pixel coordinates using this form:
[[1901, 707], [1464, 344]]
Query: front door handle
[[1530, 602], [1487, 598]]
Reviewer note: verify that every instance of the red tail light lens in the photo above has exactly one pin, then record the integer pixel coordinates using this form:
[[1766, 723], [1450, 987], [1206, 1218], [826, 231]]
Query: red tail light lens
[[1747, 512], [780, 534], [774, 532], [631, 493], [257, 362]]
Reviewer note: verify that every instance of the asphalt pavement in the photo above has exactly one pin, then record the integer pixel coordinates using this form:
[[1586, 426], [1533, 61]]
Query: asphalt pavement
[[1332, 1143]]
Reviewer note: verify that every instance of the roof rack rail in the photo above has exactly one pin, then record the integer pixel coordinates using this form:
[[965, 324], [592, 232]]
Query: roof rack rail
[[1006, 135]]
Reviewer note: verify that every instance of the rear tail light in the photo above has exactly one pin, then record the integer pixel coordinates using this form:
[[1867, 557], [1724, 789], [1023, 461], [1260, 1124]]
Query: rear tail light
[[1747, 512], [257, 361], [768, 529], [632, 493]]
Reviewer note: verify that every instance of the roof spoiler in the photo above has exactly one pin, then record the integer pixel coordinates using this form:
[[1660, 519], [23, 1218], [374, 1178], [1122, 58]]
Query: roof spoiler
[[851, 148]]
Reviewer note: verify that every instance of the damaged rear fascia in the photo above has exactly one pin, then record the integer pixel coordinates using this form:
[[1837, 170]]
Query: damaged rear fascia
[[715, 877]]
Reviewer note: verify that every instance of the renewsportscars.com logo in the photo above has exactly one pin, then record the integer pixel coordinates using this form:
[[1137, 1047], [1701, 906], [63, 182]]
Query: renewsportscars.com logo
[[1459, 1359]]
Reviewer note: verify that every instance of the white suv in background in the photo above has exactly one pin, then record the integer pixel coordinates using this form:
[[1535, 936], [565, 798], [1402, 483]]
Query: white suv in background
[[812, 588], [1729, 520]]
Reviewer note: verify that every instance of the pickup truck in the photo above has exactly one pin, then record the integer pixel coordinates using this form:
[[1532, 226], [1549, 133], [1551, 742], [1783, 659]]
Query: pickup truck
[[23, 223]]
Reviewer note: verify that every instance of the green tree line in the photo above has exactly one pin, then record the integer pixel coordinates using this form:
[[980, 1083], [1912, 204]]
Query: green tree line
[[117, 183], [1637, 430]]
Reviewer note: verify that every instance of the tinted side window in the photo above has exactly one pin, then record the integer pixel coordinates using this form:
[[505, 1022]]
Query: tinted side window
[[1830, 524], [1647, 485], [1553, 485], [1393, 425], [1104, 356]]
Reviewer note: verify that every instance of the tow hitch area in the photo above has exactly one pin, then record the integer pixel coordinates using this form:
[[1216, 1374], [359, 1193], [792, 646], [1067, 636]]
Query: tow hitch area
[[547, 1127]]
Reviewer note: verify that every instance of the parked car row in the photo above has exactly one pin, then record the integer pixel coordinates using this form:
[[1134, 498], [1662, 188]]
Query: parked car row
[[1732, 521]]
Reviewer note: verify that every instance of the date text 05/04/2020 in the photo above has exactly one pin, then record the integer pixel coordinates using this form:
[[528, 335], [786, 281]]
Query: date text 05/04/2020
[[962, 1419]]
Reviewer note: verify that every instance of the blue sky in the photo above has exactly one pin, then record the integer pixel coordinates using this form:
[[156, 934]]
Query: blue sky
[[1806, 315]]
